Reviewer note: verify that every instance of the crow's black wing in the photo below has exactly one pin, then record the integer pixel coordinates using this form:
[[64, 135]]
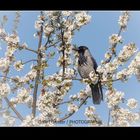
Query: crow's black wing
[[94, 63], [82, 59], [99, 83]]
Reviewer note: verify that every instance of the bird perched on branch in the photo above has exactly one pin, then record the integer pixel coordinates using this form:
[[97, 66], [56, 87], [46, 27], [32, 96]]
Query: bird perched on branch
[[87, 64]]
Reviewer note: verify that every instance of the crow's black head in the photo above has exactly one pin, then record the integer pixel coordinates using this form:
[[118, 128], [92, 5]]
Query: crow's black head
[[81, 49]]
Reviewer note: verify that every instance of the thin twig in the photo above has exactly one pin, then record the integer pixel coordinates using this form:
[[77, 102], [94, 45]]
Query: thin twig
[[47, 41], [52, 44], [29, 61], [29, 49], [65, 102]]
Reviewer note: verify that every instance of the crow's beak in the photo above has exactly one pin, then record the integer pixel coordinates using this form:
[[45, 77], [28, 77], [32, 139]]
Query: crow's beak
[[75, 49]]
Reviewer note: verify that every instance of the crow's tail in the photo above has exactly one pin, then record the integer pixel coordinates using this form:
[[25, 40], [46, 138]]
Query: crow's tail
[[97, 94]]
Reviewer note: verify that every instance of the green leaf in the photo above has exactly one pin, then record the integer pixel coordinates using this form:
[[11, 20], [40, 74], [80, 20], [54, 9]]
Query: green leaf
[[31, 86]]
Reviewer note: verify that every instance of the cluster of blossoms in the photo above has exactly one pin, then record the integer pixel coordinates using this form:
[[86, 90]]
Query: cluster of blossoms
[[114, 39], [4, 63], [23, 97], [56, 81], [82, 94], [123, 117], [93, 78], [94, 118], [133, 68], [109, 69], [114, 98], [30, 121], [4, 89], [30, 76], [89, 111], [46, 105], [12, 44], [82, 18], [8, 119], [57, 89], [125, 54], [123, 19]]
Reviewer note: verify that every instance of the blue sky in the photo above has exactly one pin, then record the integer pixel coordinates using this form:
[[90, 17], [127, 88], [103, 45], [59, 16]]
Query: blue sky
[[95, 36]]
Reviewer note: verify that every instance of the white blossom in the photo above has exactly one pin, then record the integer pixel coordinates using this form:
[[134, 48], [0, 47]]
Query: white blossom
[[66, 13], [127, 52], [89, 111], [132, 103], [114, 38], [72, 107], [12, 39], [114, 98], [4, 63], [48, 29], [94, 77], [18, 65], [123, 117], [4, 89], [82, 18]]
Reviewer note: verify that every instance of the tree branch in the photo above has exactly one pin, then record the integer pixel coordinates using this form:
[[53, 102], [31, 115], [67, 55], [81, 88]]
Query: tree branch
[[108, 117], [38, 73], [8, 102], [63, 52], [13, 108], [30, 50], [29, 61]]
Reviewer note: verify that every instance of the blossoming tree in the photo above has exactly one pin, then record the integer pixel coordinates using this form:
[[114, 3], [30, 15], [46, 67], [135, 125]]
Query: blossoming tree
[[44, 94]]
